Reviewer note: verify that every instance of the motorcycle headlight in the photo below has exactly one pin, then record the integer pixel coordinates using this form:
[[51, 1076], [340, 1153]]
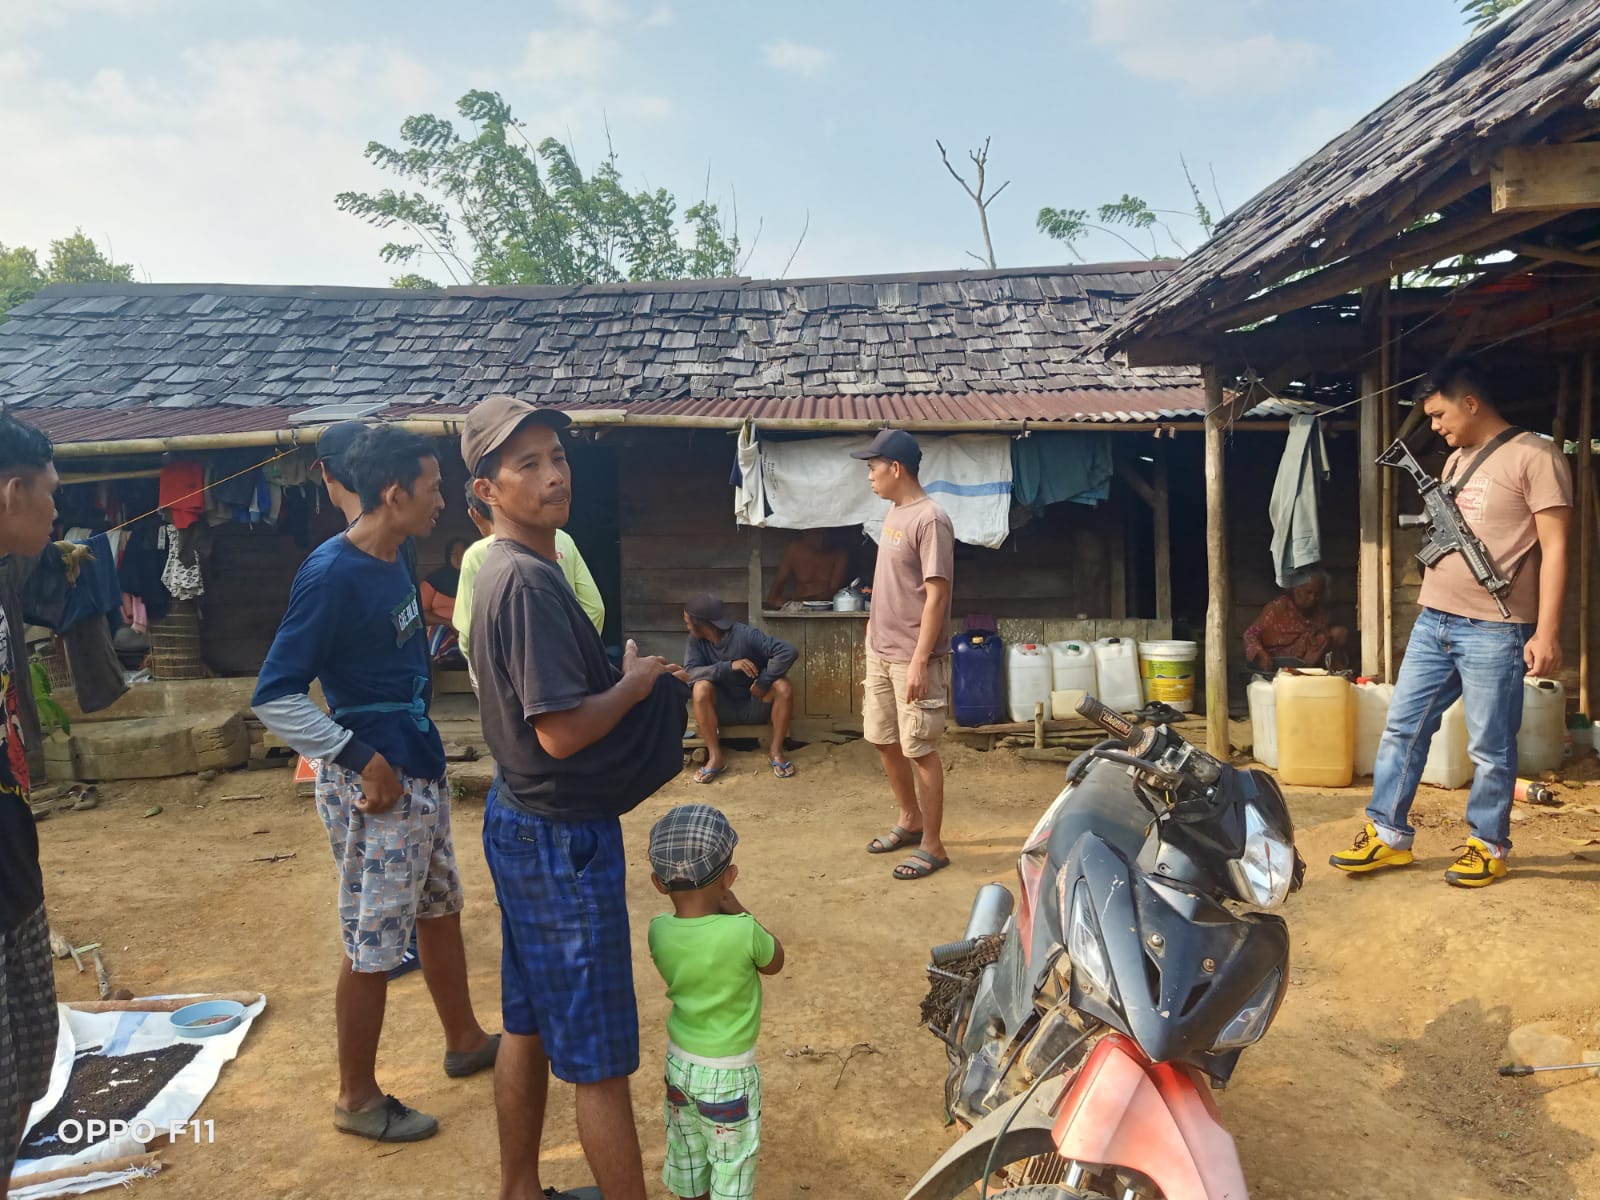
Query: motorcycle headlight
[[1264, 873], [1250, 1022], [1084, 947]]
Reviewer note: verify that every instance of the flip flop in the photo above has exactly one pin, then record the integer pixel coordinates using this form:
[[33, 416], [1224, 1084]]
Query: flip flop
[[919, 865], [783, 769], [708, 774], [894, 840]]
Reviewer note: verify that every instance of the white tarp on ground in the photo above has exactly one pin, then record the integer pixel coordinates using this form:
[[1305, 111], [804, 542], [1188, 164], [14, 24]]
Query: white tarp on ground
[[126, 1033], [814, 484]]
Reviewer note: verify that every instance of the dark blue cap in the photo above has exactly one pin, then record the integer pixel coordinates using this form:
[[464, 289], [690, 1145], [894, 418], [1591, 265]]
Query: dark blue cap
[[896, 445]]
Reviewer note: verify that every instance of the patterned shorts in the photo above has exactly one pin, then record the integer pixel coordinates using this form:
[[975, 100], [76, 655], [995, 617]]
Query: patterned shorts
[[713, 1130], [27, 1026], [566, 960], [395, 868]]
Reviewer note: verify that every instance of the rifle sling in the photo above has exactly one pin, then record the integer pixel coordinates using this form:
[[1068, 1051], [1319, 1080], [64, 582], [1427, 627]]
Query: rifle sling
[[1508, 434]]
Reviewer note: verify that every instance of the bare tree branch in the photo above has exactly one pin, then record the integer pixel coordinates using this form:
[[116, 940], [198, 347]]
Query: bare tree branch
[[804, 229], [980, 160]]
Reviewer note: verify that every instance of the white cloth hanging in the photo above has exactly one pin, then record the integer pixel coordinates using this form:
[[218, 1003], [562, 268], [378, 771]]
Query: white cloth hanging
[[815, 484]]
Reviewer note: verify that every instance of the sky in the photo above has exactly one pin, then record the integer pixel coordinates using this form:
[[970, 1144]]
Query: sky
[[205, 141]]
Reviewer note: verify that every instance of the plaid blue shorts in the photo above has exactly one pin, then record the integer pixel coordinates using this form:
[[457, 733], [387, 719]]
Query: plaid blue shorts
[[566, 967]]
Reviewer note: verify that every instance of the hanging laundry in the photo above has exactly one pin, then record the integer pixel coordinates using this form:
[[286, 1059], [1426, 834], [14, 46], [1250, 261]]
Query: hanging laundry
[[97, 680], [1051, 467], [182, 575], [750, 501], [183, 492], [1292, 508]]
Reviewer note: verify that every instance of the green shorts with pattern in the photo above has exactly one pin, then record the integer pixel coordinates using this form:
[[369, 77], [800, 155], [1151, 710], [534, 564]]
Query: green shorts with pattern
[[713, 1129]]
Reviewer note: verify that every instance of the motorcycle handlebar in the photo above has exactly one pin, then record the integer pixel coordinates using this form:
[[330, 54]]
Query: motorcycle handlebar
[[1112, 722]]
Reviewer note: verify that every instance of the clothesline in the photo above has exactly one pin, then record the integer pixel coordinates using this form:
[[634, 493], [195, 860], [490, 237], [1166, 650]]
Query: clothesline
[[202, 490]]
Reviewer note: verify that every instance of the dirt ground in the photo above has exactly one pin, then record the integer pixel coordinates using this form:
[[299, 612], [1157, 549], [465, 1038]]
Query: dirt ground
[[1377, 1080]]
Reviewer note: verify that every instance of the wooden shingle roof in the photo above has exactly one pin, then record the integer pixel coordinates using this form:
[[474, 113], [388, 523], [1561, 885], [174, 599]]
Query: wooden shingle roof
[[143, 354], [1533, 76]]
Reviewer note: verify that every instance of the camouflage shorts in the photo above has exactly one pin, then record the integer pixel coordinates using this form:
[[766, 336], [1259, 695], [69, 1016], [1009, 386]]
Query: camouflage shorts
[[395, 868]]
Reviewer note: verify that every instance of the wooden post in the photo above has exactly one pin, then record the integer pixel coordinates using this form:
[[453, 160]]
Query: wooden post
[[757, 593], [1038, 725], [1586, 530], [1162, 513], [1220, 600]]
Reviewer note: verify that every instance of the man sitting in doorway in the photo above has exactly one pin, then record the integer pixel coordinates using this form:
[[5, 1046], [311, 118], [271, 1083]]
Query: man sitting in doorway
[[737, 673], [814, 565]]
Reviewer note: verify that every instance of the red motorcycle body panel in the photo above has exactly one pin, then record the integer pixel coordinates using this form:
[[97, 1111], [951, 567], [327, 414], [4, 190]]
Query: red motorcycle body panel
[[1154, 1118]]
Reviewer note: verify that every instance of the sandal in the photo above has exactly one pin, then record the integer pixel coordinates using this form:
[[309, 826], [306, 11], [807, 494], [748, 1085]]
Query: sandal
[[894, 840], [919, 865], [708, 774], [391, 1121], [783, 769]]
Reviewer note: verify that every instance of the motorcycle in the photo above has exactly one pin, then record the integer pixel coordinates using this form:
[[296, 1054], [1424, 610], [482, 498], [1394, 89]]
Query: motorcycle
[[1086, 1029]]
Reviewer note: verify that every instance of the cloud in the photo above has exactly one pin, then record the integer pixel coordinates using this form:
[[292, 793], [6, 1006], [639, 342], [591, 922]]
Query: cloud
[[556, 56], [596, 12], [658, 17], [794, 58], [219, 163], [1210, 49]]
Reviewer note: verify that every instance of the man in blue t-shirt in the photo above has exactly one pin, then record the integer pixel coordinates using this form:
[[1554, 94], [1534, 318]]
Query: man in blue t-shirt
[[355, 623]]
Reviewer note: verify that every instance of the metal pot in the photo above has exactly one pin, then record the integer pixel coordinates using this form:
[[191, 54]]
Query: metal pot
[[849, 599]]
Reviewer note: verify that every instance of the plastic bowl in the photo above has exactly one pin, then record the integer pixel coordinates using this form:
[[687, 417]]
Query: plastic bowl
[[207, 1019]]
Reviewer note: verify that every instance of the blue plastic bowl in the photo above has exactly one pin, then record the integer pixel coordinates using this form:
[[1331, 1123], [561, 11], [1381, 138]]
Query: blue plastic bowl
[[207, 1019]]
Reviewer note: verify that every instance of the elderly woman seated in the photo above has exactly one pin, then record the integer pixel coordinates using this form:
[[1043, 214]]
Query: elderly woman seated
[[1293, 631]]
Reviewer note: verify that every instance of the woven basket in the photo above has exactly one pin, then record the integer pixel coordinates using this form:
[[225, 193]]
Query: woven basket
[[175, 644]]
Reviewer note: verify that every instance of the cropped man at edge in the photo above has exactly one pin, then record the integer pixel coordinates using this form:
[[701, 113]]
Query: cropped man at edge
[[355, 623]]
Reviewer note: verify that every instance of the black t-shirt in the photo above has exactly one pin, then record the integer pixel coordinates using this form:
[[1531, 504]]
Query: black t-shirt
[[21, 884], [538, 653]]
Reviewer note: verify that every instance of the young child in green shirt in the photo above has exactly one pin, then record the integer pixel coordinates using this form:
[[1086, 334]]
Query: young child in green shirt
[[712, 954]]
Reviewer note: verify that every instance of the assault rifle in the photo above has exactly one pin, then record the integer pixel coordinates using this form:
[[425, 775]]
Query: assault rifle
[[1446, 531]]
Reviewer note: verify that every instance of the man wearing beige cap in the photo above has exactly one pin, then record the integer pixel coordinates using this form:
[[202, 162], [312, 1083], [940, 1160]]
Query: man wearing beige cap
[[577, 743]]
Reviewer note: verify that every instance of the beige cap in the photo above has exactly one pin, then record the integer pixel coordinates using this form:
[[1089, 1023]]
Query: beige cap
[[495, 418]]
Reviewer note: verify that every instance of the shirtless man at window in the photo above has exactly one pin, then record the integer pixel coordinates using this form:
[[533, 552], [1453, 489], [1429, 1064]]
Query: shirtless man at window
[[813, 565]]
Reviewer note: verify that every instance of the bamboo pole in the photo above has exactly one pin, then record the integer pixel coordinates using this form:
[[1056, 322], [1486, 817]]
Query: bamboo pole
[[284, 439], [1386, 374], [1586, 530], [1220, 599], [1162, 516], [147, 1163]]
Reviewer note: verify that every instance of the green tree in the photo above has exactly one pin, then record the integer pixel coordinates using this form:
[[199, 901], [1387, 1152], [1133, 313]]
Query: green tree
[[1070, 225], [490, 206], [73, 259]]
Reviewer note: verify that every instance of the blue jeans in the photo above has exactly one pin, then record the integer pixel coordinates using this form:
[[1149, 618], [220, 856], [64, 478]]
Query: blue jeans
[[1447, 657]]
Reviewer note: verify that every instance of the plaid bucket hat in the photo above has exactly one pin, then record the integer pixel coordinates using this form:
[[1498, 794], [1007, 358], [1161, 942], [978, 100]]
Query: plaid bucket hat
[[691, 847]]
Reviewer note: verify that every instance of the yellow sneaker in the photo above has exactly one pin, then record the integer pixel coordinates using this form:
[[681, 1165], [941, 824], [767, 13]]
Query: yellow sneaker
[[1476, 867], [1369, 853]]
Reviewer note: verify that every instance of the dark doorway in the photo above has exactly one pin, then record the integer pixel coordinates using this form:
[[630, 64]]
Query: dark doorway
[[596, 527]]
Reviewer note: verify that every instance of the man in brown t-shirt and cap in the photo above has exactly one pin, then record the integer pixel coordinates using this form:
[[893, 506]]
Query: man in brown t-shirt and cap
[[908, 651], [1514, 492]]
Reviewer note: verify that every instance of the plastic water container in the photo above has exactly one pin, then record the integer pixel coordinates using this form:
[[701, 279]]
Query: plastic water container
[[1116, 668], [1166, 671], [1027, 680], [1316, 728], [1372, 714], [1541, 741], [1263, 722], [1072, 667], [978, 669], [1449, 765]]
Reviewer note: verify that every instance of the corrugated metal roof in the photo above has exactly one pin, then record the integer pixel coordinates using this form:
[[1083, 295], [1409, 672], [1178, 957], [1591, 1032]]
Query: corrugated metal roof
[[1088, 406]]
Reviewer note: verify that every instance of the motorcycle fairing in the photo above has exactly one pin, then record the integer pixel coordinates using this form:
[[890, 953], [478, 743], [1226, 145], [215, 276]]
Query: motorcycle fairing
[[1030, 1132], [1157, 939], [1157, 1119]]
